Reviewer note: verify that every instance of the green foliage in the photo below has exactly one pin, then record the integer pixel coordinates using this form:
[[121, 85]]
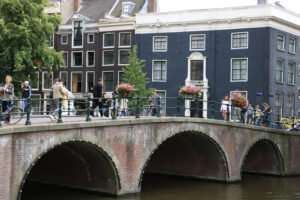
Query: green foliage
[[24, 33]]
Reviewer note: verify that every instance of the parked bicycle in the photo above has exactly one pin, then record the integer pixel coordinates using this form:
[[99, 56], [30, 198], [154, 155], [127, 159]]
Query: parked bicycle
[[12, 115]]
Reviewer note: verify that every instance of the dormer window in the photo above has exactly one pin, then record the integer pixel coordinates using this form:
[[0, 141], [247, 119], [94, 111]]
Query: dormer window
[[127, 7], [77, 38]]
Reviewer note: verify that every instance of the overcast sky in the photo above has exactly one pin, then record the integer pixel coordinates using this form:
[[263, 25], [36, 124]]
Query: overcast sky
[[173, 5]]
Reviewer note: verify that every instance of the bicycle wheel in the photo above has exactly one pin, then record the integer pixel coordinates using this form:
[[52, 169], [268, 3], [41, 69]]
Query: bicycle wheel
[[14, 115]]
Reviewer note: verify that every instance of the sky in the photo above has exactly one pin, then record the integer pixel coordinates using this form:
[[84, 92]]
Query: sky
[[174, 5]]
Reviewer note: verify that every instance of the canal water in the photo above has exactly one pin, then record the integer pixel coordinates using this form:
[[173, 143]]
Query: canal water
[[155, 187]]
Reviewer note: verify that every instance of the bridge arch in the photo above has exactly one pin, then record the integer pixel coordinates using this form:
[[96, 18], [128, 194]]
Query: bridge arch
[[263, 156], [101, 168], [216, 168]]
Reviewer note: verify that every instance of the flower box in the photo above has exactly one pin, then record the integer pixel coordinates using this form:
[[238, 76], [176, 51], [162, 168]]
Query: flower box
[[238, 100], [125, 90], [188, 92]]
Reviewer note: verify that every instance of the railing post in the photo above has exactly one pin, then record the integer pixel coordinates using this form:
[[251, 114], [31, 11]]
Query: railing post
[[213, 109], [293, 123], [227, 112], [28, 111], [196, 108], [137, 114], [59, 111], [69, 104], [0, 112], [158, 108], [88, 110], [114, 113]]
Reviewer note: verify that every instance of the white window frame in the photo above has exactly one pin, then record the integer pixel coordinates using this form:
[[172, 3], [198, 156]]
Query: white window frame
[[284, 38], [87, 59], [72, 61], [119, 75], [105, 65], [295, 43], [191, 42], [120, 40], [67, 77], [78, 47], [38, 84], [88, 38], [165, 99], [108, 47], [52, 41], [61, 39], [294, 77], [103, 80], [234, 33], [282, 75], [71, 86], [231, 61], [294, 102], [160, 60], [119, 57], [130, 3], [66, 65], [282, 104], [153, 44], [86, 80], [43, 81]]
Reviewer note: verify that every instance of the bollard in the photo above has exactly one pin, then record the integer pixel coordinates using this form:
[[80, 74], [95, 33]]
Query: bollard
[[137, 114], [88, 110], [69, 104], [0, 112], [158, 107], [59, 121], [114, 117], [28, 111], [178, 107]]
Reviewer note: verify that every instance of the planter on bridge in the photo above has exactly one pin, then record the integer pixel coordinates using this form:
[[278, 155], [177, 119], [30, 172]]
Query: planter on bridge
[[238, 100], [125, 90], [188, 92]]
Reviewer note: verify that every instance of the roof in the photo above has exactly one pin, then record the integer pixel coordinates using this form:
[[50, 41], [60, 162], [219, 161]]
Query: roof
[[117, 12]]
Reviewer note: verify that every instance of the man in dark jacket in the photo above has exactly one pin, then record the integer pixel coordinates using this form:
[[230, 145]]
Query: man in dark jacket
[[97, 94], [26, 94]]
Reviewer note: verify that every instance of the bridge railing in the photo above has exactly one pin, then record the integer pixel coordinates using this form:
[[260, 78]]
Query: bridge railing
[[87, 109]]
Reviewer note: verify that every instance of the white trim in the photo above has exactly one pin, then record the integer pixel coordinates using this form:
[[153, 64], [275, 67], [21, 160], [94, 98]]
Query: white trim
[[165, 91], [86, 80], [103, 58], [78, 47], [294, 71], [160, 60], [235, 81], [284, 38], [38, 83], [282, 75], [72, 61], [71, 86], [295, 43], [234, 33], [103, 80], [119, 57], [88, 38], [43, 81], [153, 42], [119, 75], [128, 2], [61, 39], [191, 42], [66, 64], [108, 47], [87, 59], [66, 72], [120, 40]]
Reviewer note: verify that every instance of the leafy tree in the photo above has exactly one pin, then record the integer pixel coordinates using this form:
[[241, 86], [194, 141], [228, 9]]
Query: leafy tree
[[24, 32]]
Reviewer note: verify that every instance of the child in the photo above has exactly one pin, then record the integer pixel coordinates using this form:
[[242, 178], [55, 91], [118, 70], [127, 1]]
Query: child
[[257, 115]]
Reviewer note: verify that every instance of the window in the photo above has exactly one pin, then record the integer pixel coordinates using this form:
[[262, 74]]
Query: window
[[90, 55], [124, 57], [120, 77], [279, 71], [125, 40], [64, 76], [291, 73], [239, 69], [77, 33], [90, 38], [65, 59], [280, 42], [77, 59], [163, 103], [47, 80], [90, 79], [292, 45], [278, 105], [197, 42], [108, 57], [290, 105], [239, 40], [76, 86], [159, 71], [108, 40], [160, 43], [35, 84], [51, 41], [127, 7], [196, 70], [108, 81], [64, 39]]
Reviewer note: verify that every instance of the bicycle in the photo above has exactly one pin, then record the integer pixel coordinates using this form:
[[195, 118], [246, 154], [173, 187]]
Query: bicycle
[[13, 114]]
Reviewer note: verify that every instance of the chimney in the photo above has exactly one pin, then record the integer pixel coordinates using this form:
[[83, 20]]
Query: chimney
[[77, 4], [152, 6], [262, 2]]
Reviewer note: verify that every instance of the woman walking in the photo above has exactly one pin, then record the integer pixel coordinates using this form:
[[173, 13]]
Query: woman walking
[[225, 107]]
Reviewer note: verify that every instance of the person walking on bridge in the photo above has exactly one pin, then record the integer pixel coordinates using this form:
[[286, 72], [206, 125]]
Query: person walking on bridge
[[58, 92]]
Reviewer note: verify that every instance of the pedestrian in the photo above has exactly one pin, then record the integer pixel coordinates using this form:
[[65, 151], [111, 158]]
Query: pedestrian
[[155, 103], [97, 95], [58, 92], [114, 104], [104, 111], [51, 101], [7, 91], [26, 94], [257, 115], [243, 115], [267, 115], [250, 114], [225, 107]]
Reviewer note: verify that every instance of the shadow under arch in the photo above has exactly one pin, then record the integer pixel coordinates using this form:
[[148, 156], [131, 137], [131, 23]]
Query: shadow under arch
[[263, 157], [189, 154], [75, 164]]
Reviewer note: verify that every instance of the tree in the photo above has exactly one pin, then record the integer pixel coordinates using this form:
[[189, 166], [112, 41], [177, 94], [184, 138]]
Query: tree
[[24, 32]]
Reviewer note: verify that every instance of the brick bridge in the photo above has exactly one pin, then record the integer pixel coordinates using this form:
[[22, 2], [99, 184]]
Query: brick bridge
[[111, 156]]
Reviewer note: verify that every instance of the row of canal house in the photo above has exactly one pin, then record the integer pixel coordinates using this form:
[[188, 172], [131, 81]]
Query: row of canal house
[[251, 49]]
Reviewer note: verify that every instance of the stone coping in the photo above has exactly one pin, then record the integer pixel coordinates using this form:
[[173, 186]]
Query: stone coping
[[122, 122]]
